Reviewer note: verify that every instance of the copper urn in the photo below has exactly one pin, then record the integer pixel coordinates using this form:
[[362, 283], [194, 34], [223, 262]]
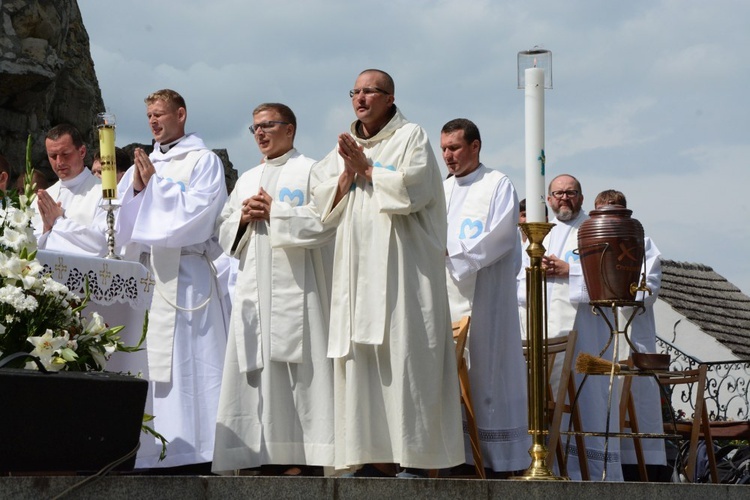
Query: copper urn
[[611, 248]]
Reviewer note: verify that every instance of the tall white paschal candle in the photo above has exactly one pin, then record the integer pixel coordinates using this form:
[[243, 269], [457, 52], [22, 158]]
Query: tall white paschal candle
[[535, 199]]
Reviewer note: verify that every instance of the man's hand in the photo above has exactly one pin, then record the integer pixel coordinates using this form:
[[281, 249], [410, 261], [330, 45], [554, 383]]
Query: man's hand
[[555, 267], [257, 207], [144, 169], [354, 157], [345, 184], [49, 209]]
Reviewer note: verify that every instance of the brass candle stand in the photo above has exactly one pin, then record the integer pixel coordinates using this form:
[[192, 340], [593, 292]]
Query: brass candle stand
[[110, 208], [536, 318]]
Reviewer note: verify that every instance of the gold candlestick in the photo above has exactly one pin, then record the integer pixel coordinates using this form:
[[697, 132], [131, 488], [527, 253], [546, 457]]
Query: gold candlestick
[[537, 368]]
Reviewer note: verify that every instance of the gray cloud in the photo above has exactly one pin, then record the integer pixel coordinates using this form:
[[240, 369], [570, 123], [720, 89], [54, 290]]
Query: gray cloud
[[649, 96]]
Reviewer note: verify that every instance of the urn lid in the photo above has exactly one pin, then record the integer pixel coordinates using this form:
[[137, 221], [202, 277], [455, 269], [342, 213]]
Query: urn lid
[[618, 210]]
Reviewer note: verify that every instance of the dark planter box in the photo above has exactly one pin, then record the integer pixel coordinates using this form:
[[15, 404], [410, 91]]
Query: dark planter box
[[69, 421]]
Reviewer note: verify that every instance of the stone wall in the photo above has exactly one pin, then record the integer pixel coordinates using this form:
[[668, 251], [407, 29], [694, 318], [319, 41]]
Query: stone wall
[[46, 75]]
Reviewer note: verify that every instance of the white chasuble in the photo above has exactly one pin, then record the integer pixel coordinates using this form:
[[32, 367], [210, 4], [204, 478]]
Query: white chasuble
[[482, 261], [466, 223], [276, 404], [175, 215], [165, 263], [287, 270], [395, 383]]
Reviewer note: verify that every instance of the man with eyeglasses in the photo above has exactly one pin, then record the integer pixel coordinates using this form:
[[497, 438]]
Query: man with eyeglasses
[[482, 259], [276, 405], [568, 309], [395, 384], [170, 202]]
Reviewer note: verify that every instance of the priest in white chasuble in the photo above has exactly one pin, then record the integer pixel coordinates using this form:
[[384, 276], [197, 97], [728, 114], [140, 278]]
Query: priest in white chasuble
[[395, 382], [482, 260], [170, 202], [276, 405]]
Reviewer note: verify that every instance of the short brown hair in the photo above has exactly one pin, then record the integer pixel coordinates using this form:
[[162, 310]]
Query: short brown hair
[[167, 95], [470, 130], [611, 197], [282, 109], [62, 129], [389, 85]]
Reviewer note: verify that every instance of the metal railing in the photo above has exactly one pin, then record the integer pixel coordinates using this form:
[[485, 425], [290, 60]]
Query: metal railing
[[726, 393]]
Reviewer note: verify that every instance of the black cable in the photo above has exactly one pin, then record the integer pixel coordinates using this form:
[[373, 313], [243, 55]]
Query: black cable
[[99, 475]]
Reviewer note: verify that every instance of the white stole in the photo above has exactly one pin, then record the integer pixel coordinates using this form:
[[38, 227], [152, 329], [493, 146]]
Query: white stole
[[562, 313], [165, 264], [287, 278], [474, 215]]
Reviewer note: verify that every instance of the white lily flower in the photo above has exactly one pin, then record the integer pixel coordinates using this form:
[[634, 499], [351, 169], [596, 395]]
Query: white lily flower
[[96, 324], [17, 219], [45, 348]]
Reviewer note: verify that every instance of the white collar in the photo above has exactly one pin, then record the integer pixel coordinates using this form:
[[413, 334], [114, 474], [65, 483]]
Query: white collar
[[467, 179], [280, 160], [77, 180]]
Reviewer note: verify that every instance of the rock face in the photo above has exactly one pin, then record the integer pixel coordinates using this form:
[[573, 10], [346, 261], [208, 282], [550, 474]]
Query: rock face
[[47, 76]]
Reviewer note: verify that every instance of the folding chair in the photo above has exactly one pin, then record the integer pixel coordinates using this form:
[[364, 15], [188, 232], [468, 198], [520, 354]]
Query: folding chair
[[557, 405], [629, 420], [460, 335], [700, 427]]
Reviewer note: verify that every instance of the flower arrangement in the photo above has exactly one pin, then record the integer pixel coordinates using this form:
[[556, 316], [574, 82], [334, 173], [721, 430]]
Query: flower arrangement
[[38, 315], [44, 318]]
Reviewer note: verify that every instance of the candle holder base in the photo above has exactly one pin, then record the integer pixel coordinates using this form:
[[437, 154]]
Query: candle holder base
[[110, 208]]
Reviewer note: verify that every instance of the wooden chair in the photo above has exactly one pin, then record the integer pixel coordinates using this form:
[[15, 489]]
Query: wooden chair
[[629, 420], [557, 405], [700, 427], [460, 336]]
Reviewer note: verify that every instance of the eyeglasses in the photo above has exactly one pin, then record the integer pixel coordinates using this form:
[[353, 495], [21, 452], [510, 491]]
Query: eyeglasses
[[571, 193], [266, 126], [366, 91]]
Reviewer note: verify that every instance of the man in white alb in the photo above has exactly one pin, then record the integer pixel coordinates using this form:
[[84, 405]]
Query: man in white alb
[[276, 404], [65, 215], [482, 261], [170, 202], [395, 384]]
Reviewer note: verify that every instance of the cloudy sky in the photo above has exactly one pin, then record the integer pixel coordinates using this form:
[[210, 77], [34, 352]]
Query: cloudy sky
[[650, 96]]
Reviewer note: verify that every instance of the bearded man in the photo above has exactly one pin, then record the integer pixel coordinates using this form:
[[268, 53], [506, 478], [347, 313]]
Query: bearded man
[[568, 309]]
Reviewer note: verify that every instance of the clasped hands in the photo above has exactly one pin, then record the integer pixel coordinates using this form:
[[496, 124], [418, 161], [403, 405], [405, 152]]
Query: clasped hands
[[355, 161], [143, 171], [256, 208], [49, 209]]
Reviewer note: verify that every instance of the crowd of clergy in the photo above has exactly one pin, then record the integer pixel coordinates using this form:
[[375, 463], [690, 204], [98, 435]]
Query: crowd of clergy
[[302, 324]]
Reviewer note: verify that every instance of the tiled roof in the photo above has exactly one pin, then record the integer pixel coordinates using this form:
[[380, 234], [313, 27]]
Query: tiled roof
[[707, 299]]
